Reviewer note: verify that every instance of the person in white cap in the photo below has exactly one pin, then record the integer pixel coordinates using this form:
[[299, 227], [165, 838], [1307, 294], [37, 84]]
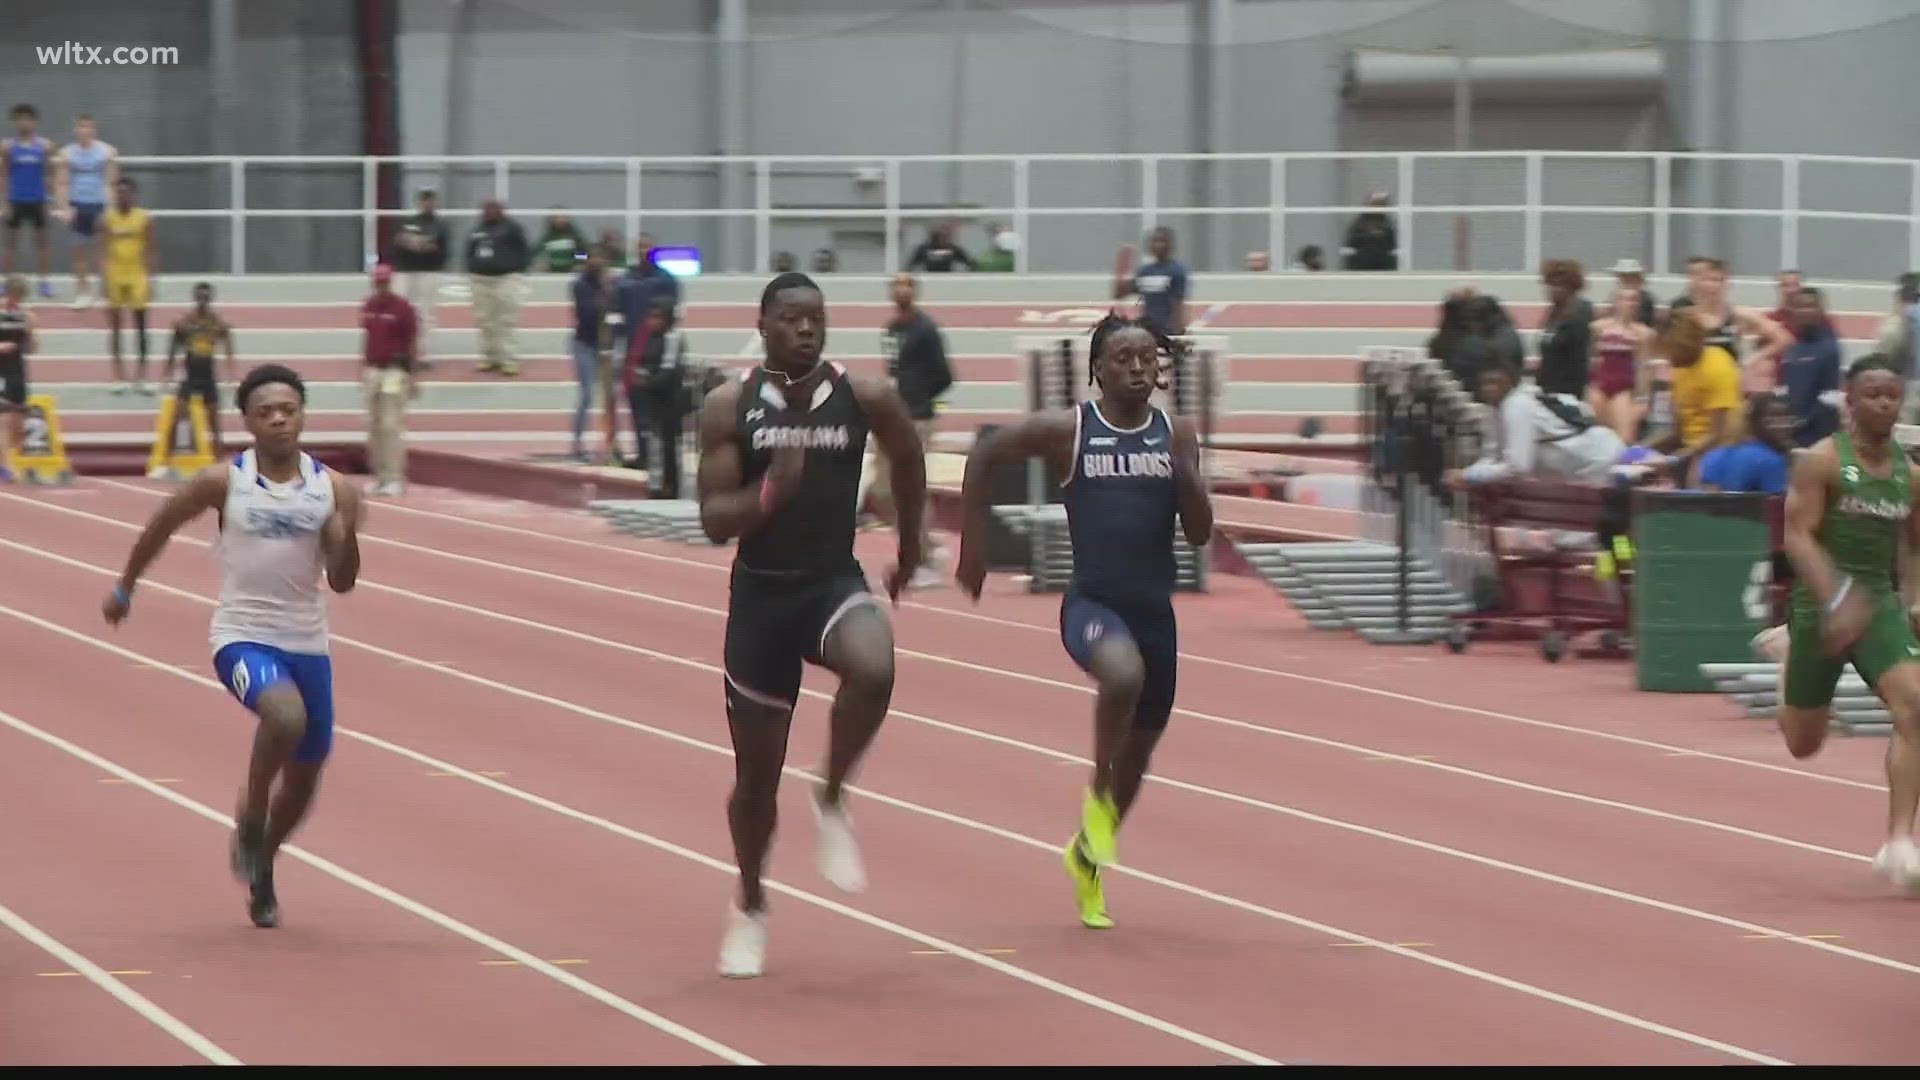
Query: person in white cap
[[1629, 274]]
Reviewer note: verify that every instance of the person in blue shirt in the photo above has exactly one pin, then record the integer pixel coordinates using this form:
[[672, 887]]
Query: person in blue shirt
[[1759, 464], [1810, 370], [1130, 471], [23, 175], [1161, 286]]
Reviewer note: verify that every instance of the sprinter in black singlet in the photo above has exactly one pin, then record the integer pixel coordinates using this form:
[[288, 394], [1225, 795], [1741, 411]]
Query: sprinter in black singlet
[[780, 456], [1129, 470], [195, 336], [16, 341]]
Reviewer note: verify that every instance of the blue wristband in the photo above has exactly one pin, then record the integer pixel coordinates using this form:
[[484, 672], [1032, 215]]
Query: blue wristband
[[122, 596]]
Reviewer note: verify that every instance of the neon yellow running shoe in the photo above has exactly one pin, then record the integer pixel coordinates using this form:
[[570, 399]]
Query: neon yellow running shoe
[[1086, 887], [1099, 828]]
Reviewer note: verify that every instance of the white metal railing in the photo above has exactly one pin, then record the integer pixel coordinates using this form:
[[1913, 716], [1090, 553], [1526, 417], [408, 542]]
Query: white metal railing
[[1281, 193]]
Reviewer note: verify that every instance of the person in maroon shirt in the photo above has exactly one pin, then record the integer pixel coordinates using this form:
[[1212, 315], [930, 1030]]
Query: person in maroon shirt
[[392, 332]]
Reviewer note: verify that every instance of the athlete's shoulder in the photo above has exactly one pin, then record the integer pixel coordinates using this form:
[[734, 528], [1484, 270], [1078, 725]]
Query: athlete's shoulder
[[210, 485]]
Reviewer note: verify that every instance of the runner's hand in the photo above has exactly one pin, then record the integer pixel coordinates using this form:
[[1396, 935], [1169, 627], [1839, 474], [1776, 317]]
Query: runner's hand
[[908, 561], [970, 570]]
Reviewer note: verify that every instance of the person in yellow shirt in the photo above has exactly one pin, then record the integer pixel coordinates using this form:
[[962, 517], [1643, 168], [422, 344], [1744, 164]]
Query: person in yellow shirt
[[127, 272], [1707, 398]]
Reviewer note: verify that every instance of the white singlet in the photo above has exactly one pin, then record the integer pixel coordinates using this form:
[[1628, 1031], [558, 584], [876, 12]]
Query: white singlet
[[271, 564]]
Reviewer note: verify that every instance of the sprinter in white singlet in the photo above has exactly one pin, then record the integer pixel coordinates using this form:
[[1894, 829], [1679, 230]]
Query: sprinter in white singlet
[[285, 522]]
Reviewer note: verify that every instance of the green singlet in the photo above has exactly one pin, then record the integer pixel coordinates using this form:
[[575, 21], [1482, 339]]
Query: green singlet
[[1865, 518]]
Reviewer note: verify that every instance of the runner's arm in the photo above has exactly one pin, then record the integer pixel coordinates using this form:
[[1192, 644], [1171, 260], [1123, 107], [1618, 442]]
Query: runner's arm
[[1048, 435], [1190, 483], [1811, 473], [340, 538], [728, 508], [206, 491]]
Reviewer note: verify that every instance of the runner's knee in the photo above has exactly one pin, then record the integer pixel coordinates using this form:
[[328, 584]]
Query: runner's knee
[[1805, 729], [1118, 667]]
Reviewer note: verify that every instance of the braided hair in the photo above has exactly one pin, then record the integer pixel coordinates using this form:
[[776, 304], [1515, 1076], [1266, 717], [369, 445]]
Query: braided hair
[[1168, 347]]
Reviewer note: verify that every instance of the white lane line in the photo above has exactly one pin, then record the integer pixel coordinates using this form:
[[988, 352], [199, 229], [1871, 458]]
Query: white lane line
[[120, 991]]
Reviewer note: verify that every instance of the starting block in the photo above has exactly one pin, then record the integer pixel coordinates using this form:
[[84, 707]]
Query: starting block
[[42, 458], [182, 443]]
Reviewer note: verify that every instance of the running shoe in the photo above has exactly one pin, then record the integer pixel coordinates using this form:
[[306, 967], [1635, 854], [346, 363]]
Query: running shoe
[[836, 850], [1100, 828], [743, 951], [1087, 887]]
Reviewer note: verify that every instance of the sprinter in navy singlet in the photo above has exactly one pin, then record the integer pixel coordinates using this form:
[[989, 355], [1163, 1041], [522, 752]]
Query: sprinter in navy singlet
[[780, 456], [1131, 473]]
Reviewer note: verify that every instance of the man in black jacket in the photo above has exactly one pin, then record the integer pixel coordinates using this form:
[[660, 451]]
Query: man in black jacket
[[916, 355], [497, 254], [421, 246]]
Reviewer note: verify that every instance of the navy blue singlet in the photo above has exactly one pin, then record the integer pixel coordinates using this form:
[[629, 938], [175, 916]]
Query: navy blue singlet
[[1121, 509]]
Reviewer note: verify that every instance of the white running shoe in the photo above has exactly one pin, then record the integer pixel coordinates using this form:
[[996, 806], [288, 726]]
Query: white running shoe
[[743, 951], [1899, 862], [837, 851]]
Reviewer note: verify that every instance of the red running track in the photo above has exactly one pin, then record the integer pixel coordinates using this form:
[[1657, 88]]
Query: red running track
[[1356, 855]]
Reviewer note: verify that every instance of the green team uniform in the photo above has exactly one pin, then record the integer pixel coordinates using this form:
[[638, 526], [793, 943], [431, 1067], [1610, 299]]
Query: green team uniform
[[1865, 519]]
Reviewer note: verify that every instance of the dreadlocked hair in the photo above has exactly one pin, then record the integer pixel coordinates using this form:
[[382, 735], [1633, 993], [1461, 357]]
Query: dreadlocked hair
[[1166, 346]]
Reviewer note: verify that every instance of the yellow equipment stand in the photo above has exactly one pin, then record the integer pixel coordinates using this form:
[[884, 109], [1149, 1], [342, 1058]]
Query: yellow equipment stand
[[42, 458], [182, 445]]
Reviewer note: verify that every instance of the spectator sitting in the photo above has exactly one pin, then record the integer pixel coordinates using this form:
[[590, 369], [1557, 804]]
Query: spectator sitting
[[1448, 343], [998, 258], [784, 262], [1310, 260], [937, 254], [1372, 242], [1540, 435], [1790, 283], [1759, 462], [612, 249], [825, 261], [562, 247], [1810, 370], [1258, 262]]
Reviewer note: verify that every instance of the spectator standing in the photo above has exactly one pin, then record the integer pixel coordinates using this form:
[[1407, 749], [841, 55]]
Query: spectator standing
[[24, 161], [421, 247], [784, 262], [1810, 370], [1160, 284], [642, 288], [1617, 384], [85, 170], [391, 333], [826, 262], [938, 253], [916, 354], [1726, 324], [656, 393], [1629, 274], [562, 246], [497, 256], [1566, 330], [1310, 260], [1372, 242], [1897, 337], [593, 299]]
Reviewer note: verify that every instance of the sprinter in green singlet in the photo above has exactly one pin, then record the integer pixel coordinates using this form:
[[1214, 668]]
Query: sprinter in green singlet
[[1849, 516]]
